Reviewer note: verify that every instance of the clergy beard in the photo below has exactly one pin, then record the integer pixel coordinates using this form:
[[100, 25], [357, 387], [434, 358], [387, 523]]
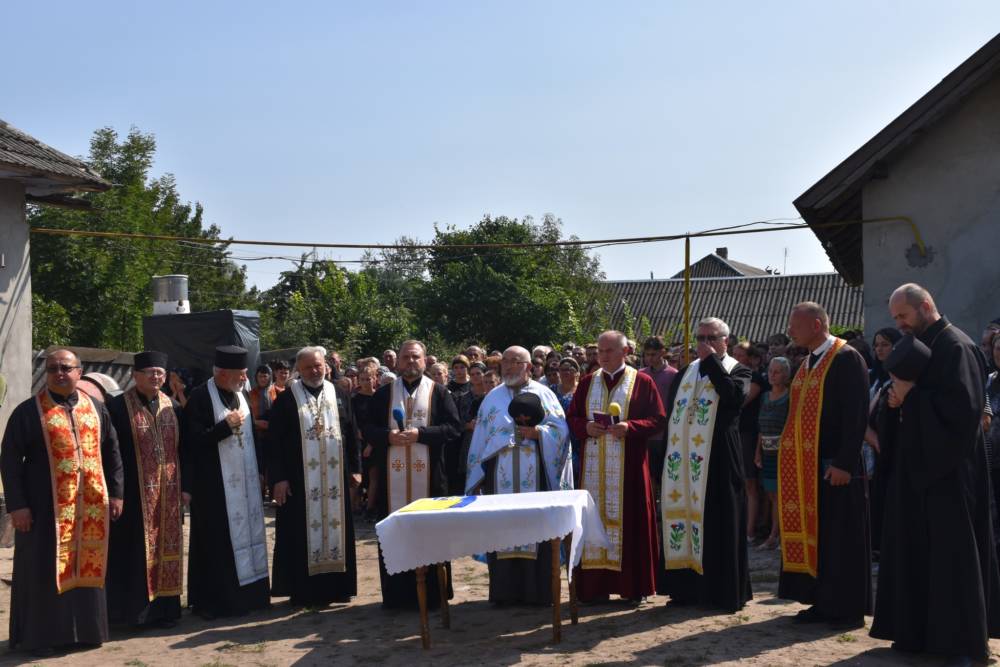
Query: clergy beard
[[412, 374], [315, 384], [514, 381]]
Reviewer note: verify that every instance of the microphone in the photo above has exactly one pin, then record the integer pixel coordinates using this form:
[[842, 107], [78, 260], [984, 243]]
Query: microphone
[[615, 411], [397, 414]]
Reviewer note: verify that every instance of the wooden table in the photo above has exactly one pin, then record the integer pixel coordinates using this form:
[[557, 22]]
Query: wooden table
[[425, 629]]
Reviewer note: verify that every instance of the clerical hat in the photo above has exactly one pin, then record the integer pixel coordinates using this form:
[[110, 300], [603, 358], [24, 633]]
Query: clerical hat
[[149, 359], [908, 359], [231, 357], [526, 409]]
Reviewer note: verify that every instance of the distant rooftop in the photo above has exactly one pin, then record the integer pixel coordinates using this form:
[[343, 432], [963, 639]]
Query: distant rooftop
[[44, 171], [718, 265]]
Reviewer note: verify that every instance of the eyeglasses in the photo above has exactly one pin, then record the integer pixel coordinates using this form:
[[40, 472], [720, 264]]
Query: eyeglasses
[[706, 339], [61, 368], [154, 373]]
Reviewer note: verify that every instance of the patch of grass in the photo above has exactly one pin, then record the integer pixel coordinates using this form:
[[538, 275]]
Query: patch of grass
[[738, 619], [216, 663], [846, 638], [257, 647], [135, 662]]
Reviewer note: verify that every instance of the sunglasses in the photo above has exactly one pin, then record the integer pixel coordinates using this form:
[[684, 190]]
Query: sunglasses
[[61, 368], [706, 339]]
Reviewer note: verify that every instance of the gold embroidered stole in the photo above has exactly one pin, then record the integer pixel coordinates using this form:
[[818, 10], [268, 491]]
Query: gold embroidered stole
[[156, 439], [322, 461], [685, 468], [798, 467], [79, 491], [604, 470], [408, 469]]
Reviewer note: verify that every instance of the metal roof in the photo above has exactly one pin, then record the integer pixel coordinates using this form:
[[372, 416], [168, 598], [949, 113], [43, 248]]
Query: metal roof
[[754, 307], [714, 266], [117, 365], [837, 196], [43, 170]]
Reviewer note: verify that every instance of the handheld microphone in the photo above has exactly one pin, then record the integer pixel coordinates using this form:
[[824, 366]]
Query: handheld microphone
[[397, 414], [615, 411]]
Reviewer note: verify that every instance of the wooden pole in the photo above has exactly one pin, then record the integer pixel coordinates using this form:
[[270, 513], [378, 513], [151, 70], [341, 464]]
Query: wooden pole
[[556, 593], [574, 615], [443, 591], [687, 300], [425, 630]]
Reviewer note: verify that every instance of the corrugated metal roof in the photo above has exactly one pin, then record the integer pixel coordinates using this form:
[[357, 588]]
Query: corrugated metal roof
[[22, 157], [115, 364], [754, 307]]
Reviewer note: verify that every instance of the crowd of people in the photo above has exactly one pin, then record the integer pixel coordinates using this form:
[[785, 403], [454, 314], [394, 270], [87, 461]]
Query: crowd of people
[[833, 451]]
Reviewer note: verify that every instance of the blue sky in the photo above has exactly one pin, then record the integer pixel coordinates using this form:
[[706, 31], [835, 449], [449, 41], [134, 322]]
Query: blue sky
[[336, 122]]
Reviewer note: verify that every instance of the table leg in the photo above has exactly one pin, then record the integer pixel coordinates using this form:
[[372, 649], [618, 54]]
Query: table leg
[[425, 630], [574, 614], [556, 593], [443, 592]]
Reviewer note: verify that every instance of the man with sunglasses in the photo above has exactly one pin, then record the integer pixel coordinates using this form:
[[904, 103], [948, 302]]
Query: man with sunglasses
[[62, 479], [147, 546]]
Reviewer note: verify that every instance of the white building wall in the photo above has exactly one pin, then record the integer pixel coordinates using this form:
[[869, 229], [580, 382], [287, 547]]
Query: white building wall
[[948, 182], [15, 298]]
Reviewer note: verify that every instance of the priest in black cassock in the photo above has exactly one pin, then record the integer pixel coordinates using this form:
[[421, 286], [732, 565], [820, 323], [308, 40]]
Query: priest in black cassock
[[825, 547], [702, 491], [410, 421], [145, 563], [938, 588], [314, 461], [60, 449], [227, 562]]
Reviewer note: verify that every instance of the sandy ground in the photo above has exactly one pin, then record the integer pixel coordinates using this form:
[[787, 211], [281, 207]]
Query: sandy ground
[[653, 634]]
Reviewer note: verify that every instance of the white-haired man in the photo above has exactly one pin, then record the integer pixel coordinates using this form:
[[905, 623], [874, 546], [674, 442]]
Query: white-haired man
[[702, 491], [410, 422], [615, 469], [313, 463], [520, 450], [227, 561], [937, 585], [825, 551]]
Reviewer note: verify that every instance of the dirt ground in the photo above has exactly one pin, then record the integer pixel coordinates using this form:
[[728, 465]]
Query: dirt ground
[[610, 634]]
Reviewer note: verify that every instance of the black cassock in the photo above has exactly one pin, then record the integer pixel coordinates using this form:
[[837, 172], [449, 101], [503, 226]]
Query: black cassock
[[290, 574], [213, 585], [39, 616], [128, 601], [400, 590], [520, 580], [725, 583], [843, 589], [938, 588]]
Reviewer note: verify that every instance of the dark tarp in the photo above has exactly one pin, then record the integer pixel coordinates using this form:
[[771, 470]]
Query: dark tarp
[[190, 340]]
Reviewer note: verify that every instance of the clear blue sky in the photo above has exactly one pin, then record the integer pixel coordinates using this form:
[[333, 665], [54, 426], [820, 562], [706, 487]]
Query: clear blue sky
[[358, 123]]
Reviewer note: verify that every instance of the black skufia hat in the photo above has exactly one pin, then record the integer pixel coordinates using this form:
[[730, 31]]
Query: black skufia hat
[[908, 359], [149, 359], [526, 409], [231, 357]]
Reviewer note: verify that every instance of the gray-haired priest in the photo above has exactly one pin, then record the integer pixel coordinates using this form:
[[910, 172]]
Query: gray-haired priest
[[62, 481], [145, 562], [409, 424], [521, 444], [313, 462], [227, 562]]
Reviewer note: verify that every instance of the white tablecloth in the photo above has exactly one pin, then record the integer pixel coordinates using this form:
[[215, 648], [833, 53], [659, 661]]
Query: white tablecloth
[[412, 539]]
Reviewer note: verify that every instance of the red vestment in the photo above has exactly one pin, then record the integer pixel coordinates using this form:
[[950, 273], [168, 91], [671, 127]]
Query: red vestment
[[640, 541]]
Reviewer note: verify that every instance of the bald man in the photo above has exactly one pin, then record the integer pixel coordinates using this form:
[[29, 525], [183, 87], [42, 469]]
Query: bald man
[[938, 590]]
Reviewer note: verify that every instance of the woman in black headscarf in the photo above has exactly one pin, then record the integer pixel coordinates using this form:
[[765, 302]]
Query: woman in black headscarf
[[882, 344]]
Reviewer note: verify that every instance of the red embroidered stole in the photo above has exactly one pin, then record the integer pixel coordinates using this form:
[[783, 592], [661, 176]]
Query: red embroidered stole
[[156, 458], [79, 493], [798, 467]]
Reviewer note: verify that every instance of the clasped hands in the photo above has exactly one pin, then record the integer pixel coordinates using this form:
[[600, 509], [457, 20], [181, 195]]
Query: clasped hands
[[404, 438], [619, 430]]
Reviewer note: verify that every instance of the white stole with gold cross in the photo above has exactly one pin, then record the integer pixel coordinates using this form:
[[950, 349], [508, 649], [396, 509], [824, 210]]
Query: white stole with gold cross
[[604, 470], [685, 468], [322, 461], [409, 468]]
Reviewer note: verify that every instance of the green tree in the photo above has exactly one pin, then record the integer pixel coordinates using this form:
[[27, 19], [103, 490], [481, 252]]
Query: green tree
[[103, 285], [506, 296]]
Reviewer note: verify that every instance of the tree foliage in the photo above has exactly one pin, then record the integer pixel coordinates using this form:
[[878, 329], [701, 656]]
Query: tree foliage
[[103, 285]]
